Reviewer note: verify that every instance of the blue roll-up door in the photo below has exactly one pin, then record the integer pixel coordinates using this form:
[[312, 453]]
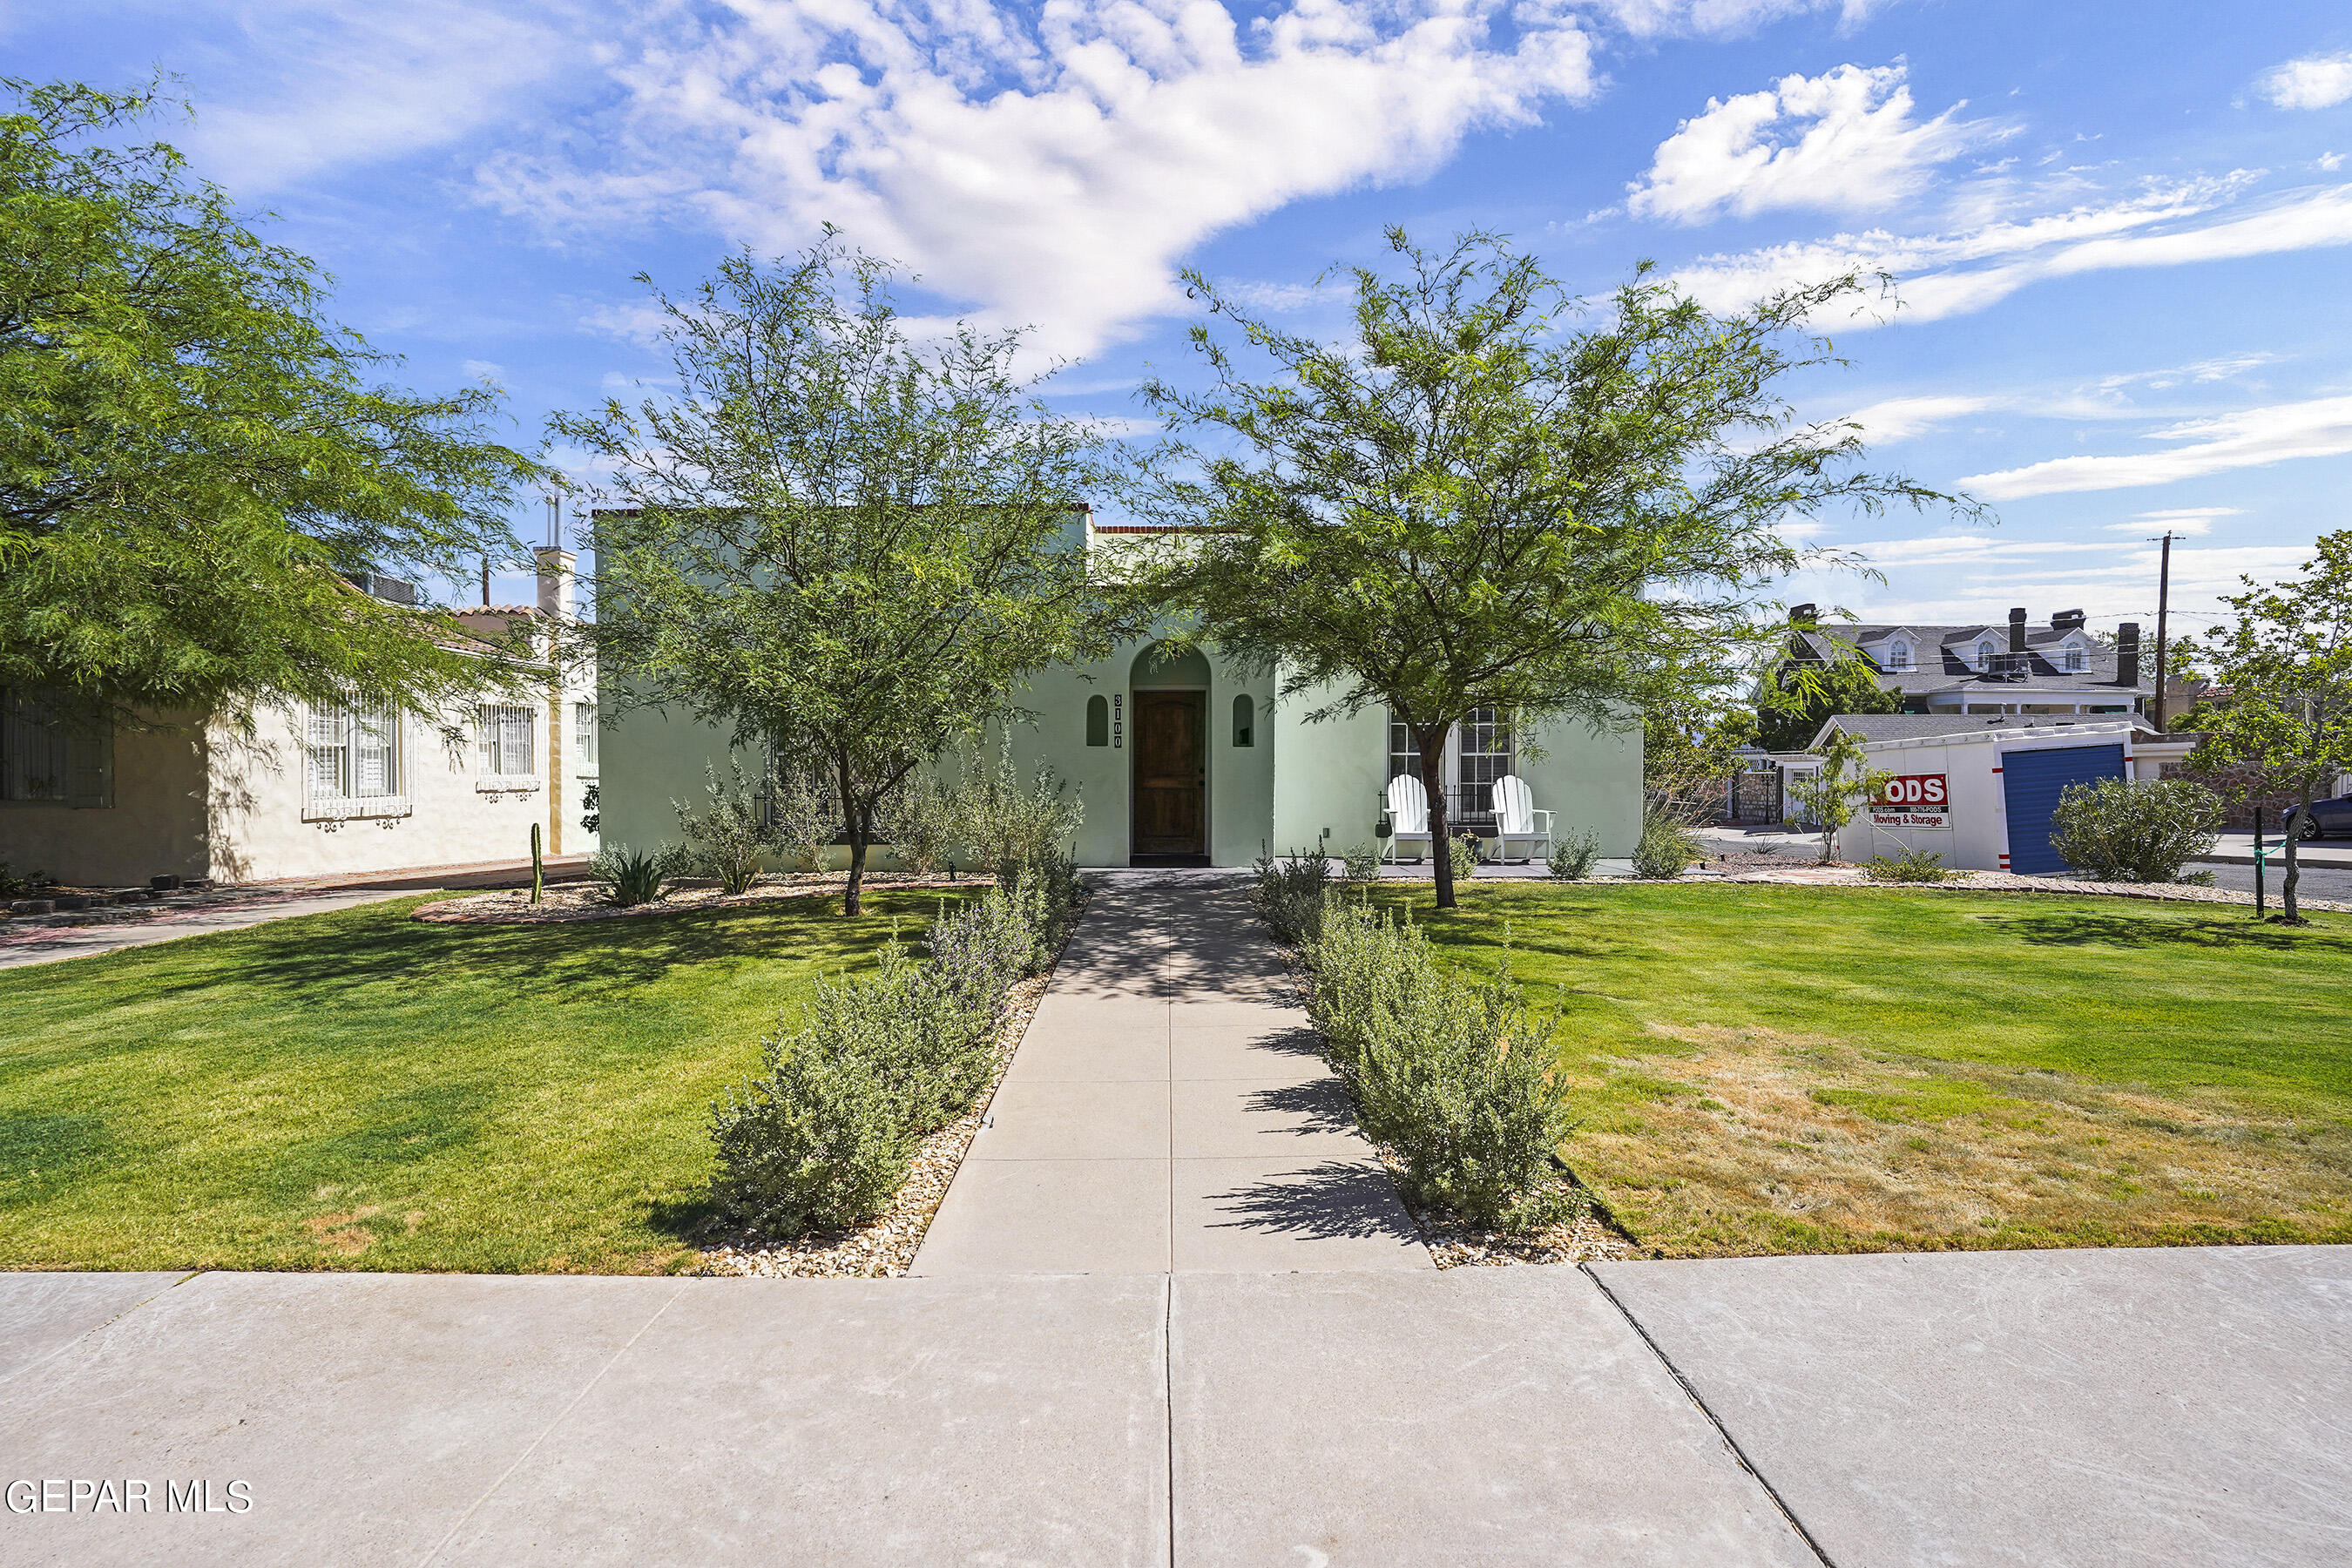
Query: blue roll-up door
[[2030, 783]]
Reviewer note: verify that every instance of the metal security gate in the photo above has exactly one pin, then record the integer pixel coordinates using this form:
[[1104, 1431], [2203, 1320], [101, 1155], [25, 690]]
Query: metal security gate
[[2030, 783]]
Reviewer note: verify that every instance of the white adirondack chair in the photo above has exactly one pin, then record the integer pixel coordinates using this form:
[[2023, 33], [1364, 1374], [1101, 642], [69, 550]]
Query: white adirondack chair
[[1516, 816], [1408, 806]]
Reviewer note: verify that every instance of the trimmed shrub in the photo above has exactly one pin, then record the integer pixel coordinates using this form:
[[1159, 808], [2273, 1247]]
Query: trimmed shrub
[[919, 821], [1450, 1074], [1572, 861], [631, 877], [1907, 866], [1011, 827], [1363, 863], [2134, 830], [1666, 848], [1289, 895]]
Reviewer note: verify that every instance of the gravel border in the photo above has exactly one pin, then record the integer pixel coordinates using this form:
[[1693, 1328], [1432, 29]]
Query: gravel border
[[884, 1247], [1455, 1242], [571, 901], [1818, 875]]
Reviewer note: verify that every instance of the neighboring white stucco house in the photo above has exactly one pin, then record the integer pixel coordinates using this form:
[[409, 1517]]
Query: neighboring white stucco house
[[311, 792]]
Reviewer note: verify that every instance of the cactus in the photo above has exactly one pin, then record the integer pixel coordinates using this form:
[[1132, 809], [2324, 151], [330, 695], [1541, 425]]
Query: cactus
[[538, 872]]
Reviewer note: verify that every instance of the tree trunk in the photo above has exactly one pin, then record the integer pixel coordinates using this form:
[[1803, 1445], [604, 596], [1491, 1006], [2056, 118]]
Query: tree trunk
[[859, 819], [1432, 781], [2302, 821]]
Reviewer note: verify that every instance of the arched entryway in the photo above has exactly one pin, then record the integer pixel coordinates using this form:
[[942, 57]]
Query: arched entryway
[[1169, 806]]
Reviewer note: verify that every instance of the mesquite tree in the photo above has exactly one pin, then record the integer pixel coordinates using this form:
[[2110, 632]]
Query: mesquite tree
[[846, 545], [1472, 506], [194, 458], [2286, 661]]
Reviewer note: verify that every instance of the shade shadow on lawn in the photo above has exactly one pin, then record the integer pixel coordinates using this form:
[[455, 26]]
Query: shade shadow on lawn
[[2082, 927]]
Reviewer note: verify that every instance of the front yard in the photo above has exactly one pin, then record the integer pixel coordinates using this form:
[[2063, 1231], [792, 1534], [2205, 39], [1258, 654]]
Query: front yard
[[1798, 1069], [360, 1091]]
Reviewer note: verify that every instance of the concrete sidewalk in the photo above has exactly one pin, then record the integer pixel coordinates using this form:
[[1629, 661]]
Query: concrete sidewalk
[[1167, 1112], [2150, 1409]]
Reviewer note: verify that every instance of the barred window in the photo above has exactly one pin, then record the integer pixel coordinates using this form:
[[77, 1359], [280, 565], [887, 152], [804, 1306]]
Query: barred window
[[505, 741], [353, 752], [44, 760], [584, 732]]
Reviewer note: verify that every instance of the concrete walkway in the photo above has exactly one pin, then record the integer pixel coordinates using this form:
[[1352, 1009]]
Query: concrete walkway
[[1167, 1113], [2120, 1409]]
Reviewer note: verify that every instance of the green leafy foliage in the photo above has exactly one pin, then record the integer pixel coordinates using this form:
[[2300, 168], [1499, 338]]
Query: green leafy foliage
[[15, 885], [1469, 501], [1666, 847], [1462, 851], [730, 837], [633, 876], [1290, 894], [1799, 698], [1361, 864], [1908, 865], [1829, 796], [1452, 1074], [193, 458], [2286, 660], [845, 542], [2134, 830], [1009, 824], [822, 1136], [1572, 860]]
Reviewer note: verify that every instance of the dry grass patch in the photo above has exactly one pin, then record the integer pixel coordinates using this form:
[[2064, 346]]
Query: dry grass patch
[[1753, 1141]]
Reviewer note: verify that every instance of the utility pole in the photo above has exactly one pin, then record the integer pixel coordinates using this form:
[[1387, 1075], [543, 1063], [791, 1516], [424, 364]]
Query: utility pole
[[2163, 602]]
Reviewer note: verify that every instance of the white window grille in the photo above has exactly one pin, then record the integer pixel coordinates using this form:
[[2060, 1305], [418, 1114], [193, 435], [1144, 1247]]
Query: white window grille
[[583, 734], [2075, 660], [1984, 655], [1486, 756], [1899, 655], [353, 752], [506, 741], [46, 761], [1404, 757]]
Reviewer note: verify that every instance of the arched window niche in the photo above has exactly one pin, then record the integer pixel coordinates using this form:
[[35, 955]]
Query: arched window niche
[[1163, 666], [1245, 722], [1097, 721]]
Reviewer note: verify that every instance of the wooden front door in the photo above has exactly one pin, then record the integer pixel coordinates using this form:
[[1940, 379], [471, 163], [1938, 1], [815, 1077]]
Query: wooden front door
[[1170, 776]]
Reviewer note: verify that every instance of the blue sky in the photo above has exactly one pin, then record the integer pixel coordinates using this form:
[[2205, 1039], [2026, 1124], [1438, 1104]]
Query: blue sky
[[2122, 232]]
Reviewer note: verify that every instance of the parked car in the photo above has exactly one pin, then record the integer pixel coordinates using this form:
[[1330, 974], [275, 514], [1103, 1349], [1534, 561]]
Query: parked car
[[2329, 819]]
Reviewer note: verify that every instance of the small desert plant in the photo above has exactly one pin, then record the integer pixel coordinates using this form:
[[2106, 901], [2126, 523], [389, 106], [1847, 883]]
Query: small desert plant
[[1908, 864], [16, 887], [1666, 847], [1009, 826], [2134, 830], [804, 817], [1464, 849], [917, 820], [1363, 863], [1572, 861], [731, 834], [1290, 893], [631, 877]]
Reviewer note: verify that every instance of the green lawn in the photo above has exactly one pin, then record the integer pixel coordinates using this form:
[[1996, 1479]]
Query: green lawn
[[1773, 1068], [360, 1091]]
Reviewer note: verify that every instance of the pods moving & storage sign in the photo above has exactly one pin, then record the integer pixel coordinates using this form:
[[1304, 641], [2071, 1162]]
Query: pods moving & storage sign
[[1912, 800]]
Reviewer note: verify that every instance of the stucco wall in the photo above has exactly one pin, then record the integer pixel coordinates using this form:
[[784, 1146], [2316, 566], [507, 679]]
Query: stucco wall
[[205, 799]]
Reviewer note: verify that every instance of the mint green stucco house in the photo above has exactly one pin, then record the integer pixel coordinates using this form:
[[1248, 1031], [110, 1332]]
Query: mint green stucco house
[[1185, 759]]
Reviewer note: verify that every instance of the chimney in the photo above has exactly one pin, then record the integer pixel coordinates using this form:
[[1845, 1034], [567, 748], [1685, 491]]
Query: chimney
[[1803, 614], [555, 582], [2017, 631], [2128, 654], [2067, 621]]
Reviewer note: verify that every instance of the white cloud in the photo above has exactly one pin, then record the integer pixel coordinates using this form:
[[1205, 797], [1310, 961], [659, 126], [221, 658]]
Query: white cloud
[[1723, 19], [355, 84], [2254, 439], [2222, 368], [1960, 590], [1844, 141], [2315, 81], [2185, 519], [1948, 275], [1901, 418], [1052, 169], [481, 370]]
